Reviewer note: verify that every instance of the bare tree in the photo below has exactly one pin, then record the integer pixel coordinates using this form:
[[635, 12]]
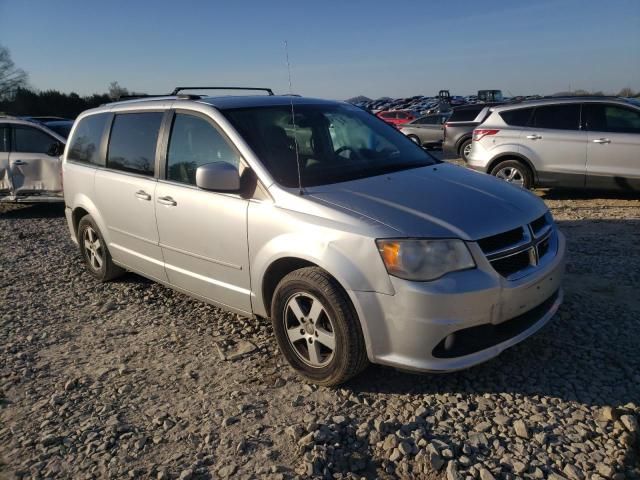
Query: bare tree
[[116, 91], [627, 92], [11, 78]]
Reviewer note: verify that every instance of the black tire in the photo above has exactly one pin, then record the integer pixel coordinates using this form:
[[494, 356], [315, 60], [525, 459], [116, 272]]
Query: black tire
[[105, 270], [523, 172], [415, 139], [464, 148], [349, 356]]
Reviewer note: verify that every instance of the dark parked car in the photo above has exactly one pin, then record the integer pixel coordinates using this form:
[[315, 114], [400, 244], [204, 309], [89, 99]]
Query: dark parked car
[[61, 127], [426, 131], [458, 130]]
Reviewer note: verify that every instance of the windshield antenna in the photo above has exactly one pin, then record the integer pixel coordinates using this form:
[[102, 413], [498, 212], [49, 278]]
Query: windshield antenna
[[293, 120]]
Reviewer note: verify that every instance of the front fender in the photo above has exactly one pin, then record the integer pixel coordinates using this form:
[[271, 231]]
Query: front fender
[[351, 257]]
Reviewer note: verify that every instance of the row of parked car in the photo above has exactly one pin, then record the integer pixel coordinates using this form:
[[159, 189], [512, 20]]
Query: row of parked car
[[420, 105]]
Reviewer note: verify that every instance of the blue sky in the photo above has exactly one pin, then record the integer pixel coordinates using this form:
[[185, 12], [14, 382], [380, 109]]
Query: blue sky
[[338, 49]]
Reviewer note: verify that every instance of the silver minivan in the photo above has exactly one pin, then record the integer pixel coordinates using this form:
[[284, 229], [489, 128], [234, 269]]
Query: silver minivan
[[577, 142], [356, 243]]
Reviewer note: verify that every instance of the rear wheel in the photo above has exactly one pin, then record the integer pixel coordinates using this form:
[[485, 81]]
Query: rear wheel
[[95, 252], [514, 172], [465, 150], [317, 328], [414, 139]]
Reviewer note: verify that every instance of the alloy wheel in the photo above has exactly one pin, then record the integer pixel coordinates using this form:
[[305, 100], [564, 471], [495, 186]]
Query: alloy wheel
[[93, 248], [309, 329], [467, 151], [511, 175]]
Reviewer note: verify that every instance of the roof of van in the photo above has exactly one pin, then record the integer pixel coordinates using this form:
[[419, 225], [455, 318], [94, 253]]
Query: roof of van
[[230, 101]]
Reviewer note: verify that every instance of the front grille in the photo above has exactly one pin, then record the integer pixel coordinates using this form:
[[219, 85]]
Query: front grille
[[539, 224], [543, 247], [474, 339], [502, 240], [515, 252], [507, 266]]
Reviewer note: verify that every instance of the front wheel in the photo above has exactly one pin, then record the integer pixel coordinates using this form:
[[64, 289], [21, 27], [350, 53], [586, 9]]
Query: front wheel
[[514, 172], [317, 328]]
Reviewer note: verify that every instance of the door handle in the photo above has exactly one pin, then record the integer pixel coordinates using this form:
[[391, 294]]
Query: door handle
[[167, 201], [601, 140], [19, 162], [142, 195], [534, 137]]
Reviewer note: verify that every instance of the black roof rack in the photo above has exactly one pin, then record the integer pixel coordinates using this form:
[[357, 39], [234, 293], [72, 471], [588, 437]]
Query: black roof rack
[[140, 95], [179, 89]]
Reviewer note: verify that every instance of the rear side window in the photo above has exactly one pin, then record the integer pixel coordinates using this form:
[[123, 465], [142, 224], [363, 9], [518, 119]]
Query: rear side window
[[4, 138], [611, 118], [518, 118], [195, 142], [132, 145], [464, 114], [32, 140], [85, 144], [557, 117]]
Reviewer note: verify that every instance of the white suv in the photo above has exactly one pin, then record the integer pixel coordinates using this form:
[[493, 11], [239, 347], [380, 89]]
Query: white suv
[[573, 142]]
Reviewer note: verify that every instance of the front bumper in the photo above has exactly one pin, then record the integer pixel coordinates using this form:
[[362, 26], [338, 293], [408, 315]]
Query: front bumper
[[485, 312]]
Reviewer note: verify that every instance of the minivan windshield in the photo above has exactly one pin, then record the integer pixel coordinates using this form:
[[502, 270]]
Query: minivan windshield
[[334, 143]]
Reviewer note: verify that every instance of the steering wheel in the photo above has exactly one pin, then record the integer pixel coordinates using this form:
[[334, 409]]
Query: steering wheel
[[345, 149]]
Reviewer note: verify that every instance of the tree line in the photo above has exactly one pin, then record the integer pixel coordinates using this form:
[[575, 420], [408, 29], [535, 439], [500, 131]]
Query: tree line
[[49, 103]]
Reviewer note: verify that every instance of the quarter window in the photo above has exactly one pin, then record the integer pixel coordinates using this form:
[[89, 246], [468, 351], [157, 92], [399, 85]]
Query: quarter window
[[195, 142], [557, 117], [611, 118], [85, 144], [32, 140], [132, 146], [517, 118], [465, 114]]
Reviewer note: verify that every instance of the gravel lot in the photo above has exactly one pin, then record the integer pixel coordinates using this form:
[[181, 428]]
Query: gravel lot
[[130, 379]]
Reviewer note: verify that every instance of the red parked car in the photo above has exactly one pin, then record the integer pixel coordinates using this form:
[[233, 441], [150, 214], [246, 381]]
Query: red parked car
[[396, 117]]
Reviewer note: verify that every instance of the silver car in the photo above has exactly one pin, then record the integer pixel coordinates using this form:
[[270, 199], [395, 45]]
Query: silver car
[[357, 244], [30, 162], [561, 142], [427, 131]]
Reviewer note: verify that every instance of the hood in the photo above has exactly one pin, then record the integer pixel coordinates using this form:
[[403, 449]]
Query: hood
[[439, 201]]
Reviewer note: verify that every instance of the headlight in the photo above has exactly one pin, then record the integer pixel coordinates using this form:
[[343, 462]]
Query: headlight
[[424, 260]]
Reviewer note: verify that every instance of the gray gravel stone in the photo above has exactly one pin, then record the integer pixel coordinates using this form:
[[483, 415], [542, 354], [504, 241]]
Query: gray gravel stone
[[452, 471], [630, 422], [521, 429], [486, 474]]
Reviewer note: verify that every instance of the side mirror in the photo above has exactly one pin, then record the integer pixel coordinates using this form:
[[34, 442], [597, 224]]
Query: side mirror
[[218, 177], [56, 149]]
